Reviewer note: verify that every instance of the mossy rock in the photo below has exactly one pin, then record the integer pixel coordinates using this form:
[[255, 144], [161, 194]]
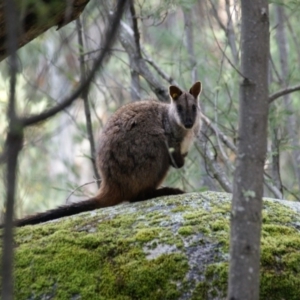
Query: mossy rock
[[168, 248]]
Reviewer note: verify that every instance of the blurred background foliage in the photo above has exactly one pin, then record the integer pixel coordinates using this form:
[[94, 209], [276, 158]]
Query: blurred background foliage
[[186, 41]]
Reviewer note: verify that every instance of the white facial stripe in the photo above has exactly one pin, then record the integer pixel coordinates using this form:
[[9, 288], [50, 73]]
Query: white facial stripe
[[174, 113]]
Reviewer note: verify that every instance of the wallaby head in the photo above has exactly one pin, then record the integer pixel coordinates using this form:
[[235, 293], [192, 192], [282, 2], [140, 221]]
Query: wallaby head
[[184, 105]]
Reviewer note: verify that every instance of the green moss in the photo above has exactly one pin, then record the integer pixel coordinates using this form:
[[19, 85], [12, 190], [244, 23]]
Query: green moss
[[147, 234], [201, 291], [179, 208], [279, 285], [70, 262], [280, 258], [195, 214], [186, 230], [114, 254], [274, 212], [215, 283], [220, 225]]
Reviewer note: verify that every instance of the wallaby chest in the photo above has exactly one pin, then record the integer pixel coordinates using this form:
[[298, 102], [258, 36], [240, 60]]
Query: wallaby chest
[[187, 142]]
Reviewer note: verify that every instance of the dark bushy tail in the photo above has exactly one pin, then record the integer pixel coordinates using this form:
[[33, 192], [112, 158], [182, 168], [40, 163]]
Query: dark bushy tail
[[106, 197], [59, 212]]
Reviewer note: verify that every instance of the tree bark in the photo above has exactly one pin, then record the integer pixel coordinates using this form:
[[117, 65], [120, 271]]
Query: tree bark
[[252, 135], [13, 146], [54, 13]]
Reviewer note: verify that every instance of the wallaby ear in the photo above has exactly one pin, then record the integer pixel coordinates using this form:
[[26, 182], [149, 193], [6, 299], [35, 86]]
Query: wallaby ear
[[195, 90], [174, 92]]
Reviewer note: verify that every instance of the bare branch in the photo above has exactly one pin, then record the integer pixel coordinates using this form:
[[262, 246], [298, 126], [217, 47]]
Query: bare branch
[[226, 141], [110, 34], [273, 189], [135, 29], [219, 133], [216, 15], [134, 56], [214, 166], [283, 92], [127, 41], [160, 72]]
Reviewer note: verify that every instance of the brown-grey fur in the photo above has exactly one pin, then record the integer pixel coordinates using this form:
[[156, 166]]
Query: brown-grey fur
[[137, 146]]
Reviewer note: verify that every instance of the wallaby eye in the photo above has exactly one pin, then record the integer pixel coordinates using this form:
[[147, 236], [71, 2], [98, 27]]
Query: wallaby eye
[[194, 108], [179, 108]]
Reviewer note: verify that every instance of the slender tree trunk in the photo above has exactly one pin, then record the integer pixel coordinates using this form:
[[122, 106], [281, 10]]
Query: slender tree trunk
[[252, 134], [13, 146], [276, 161], [189, 38], [231, 35], [85, 97], [291, 119], [14, 143], [189, 41]]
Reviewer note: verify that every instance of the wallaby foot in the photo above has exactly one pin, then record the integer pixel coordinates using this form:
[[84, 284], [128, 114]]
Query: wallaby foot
[[165, 191]]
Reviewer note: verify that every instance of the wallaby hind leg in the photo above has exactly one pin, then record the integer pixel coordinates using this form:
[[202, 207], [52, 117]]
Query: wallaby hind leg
[[149, 194]]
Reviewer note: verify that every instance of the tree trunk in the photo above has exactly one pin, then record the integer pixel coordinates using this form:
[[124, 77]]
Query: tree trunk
[[276, 161], [189, 39], [291, 125], [248, 180]]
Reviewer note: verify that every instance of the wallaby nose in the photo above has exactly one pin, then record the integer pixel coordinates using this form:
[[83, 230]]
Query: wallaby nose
[[188, 124]]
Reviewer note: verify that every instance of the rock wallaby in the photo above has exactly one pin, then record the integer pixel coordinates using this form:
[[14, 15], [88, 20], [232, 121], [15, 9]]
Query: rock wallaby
[[136, 148]]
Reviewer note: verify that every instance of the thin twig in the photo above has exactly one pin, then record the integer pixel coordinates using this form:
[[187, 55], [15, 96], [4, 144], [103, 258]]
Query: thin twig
[[233, 148], [219, 133], [80, 186], [214, 166], [224, 54], [216, 15]]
